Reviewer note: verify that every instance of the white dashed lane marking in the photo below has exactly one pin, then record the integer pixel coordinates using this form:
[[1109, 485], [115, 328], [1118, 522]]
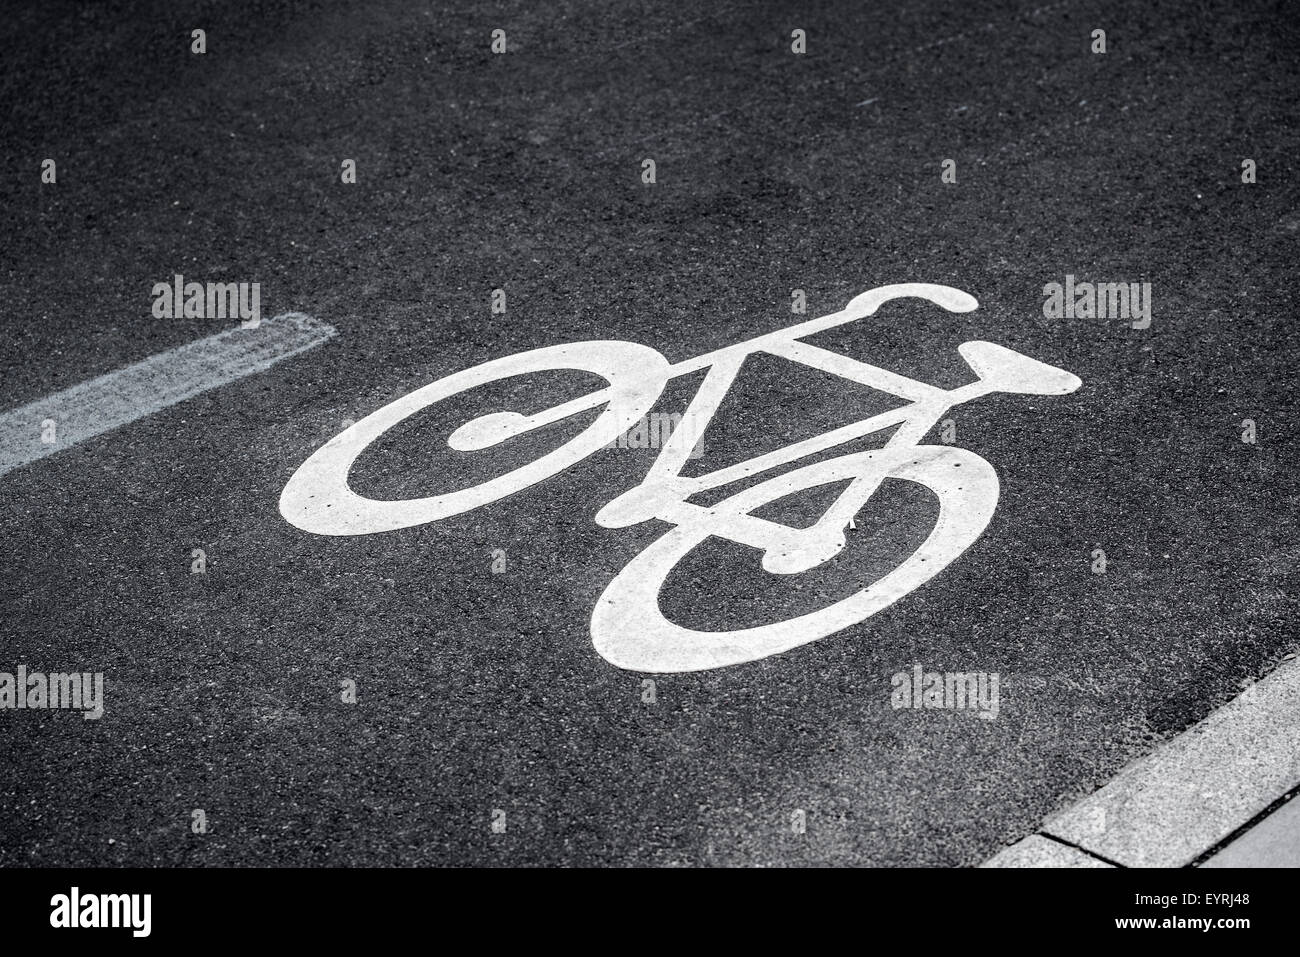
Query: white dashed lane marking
[[117, 398]]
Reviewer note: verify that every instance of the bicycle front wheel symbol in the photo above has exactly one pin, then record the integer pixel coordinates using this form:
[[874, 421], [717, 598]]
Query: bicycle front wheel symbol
[[630, 631]]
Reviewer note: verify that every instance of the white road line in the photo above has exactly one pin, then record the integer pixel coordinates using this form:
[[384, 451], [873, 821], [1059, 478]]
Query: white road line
[[1167, 809], [104, 403]]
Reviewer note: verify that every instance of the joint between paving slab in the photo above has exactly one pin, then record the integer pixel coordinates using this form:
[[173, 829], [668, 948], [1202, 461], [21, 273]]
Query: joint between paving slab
[[1249, 825], [1199, 792], [1083, 850]]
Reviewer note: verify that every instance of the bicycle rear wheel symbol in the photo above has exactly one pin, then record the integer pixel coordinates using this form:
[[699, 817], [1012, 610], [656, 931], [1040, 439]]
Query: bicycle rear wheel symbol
[[627, 627]]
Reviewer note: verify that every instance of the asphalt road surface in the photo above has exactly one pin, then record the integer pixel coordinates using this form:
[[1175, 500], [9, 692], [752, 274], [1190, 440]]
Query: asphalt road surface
[[481, 692]]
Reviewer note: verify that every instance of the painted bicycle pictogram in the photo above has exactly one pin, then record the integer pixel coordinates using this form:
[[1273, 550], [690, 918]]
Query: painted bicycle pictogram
[[627, 626]]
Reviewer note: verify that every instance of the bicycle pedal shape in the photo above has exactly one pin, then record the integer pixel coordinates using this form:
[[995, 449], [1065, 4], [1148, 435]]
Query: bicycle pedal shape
[[628, 628]]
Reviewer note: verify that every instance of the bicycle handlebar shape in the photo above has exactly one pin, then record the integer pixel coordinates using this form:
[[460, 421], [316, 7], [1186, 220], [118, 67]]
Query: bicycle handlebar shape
[[627, 626]]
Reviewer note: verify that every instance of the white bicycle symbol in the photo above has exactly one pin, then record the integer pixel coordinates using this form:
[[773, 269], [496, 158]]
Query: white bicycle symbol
[[627, 626]]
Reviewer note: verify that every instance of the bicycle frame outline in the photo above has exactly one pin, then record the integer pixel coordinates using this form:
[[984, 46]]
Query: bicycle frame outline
[[663, 493]]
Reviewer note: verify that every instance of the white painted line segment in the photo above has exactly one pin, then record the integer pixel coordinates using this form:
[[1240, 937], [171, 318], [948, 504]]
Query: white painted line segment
[[117, 398], [1195, 790]]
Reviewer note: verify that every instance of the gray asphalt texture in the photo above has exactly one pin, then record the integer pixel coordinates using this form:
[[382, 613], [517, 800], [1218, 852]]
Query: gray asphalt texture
[[522, 171]]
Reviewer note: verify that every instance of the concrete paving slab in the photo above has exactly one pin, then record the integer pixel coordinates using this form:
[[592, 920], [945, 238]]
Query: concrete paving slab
[[1273, 842], [1191, 793], [1039, 851]]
